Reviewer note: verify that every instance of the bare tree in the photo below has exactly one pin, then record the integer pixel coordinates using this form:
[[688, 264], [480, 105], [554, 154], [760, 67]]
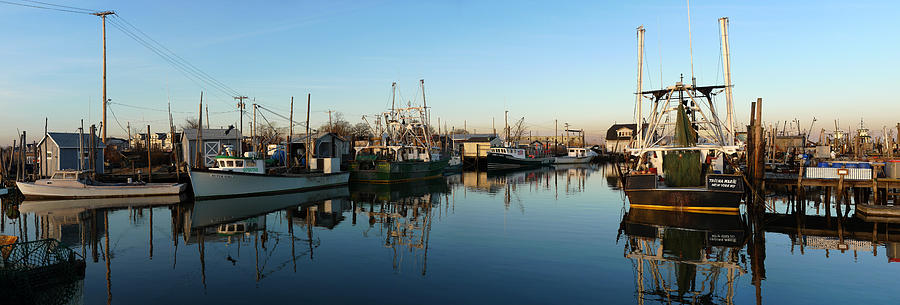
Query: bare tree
[[361, 130], [459, 131], [338, 126], [190, 123]]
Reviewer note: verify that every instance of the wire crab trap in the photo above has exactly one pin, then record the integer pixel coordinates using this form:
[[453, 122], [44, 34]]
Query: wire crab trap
[[40, 272]]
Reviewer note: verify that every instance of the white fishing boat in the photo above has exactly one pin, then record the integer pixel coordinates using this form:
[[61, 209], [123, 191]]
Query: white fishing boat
[[246, 176], [576, 155], [71, 184]]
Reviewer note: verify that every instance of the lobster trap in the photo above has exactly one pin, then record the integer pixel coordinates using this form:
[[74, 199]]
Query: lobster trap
[[40, 272]]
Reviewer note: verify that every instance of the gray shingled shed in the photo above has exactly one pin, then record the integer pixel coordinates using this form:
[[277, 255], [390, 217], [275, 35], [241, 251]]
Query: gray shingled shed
[[62, 152], [214, 141]]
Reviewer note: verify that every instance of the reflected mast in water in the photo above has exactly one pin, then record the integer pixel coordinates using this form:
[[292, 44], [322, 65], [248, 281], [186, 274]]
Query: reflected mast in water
[[664, 246]]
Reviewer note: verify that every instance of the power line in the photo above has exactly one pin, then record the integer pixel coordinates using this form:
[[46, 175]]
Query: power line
[[60, 8]]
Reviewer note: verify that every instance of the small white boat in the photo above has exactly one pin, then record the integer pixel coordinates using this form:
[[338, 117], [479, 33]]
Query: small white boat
[[245, 176], [577, 155], [77, 185]]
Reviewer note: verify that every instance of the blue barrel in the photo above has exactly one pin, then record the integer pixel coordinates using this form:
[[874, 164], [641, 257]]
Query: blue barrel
[[851, 165], [823, 164], [865, 165]]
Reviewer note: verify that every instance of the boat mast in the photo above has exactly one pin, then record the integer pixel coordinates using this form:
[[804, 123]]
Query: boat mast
[[639, 119], [726, 64]]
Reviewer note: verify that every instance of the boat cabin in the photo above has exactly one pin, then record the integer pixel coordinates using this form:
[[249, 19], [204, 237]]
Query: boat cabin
[[512, 152], [240, 164], [578, 152]]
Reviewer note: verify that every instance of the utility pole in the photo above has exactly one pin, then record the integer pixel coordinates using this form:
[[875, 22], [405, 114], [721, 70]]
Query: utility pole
[[207, 116], [330, 127], [306, 150], [253, 130], [555, 135], [240, 106], [103, 19], [290, 136]]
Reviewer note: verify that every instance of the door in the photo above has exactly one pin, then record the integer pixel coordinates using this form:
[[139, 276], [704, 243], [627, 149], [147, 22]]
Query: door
[[210, 151]]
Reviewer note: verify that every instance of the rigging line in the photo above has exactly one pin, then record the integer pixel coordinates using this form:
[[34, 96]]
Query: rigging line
[[147, 108], [44, 7], [63, 6], [182, 63], [295, 123], [116, 118], [235, 92], [166, 57]]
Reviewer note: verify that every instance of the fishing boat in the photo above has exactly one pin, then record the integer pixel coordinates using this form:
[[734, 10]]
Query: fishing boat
[[404, 151], [71, 184], [505, 158], [248, 176], [684, 156], [576, 155]]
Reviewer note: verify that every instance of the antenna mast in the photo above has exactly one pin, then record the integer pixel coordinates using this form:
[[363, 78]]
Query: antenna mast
[[691, 45], [639, 119], [726, 64]]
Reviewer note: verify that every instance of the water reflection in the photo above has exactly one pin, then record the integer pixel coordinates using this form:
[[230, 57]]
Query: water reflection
[[458, 231], [685, 258], [402, 215]]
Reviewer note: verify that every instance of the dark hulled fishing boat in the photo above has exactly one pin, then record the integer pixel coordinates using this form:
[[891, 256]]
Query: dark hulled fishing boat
[[683, 155], [678, 173]]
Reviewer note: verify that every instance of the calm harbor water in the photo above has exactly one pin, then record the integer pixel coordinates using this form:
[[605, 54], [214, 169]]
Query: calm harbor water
[[548, 236]]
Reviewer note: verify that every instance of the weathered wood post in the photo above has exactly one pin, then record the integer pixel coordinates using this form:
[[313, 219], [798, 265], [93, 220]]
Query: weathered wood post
[[149, 157], [290, 138], [198, 162]]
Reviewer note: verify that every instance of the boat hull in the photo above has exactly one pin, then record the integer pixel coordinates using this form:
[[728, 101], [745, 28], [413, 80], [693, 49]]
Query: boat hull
[[722, 194], [396, 172], [212, 184], [499, 162], [572, 160], [33, 191]]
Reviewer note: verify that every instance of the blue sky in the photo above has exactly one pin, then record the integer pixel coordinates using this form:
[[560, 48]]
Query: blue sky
[[571, 61]]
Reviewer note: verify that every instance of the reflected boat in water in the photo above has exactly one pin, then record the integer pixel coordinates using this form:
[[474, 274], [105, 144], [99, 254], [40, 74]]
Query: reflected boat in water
[[204, 213], [47, 207], [685, 258]]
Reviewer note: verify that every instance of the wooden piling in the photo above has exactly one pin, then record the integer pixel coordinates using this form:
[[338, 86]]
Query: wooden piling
[[198, 162], [290, 139], [149, 157]]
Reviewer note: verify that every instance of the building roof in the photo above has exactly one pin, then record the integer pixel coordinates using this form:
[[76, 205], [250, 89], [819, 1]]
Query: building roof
[[213, 134], [473, 137], [70, 140], [612, 132], [302, 138]]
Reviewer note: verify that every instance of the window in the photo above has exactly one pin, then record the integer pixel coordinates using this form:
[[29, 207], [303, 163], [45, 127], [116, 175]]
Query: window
[[250, 163], [69, 176], [230, 163], [239, 163], [624, 133]]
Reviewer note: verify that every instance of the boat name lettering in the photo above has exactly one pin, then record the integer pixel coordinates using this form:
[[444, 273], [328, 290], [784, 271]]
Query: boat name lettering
[[219, 176]]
